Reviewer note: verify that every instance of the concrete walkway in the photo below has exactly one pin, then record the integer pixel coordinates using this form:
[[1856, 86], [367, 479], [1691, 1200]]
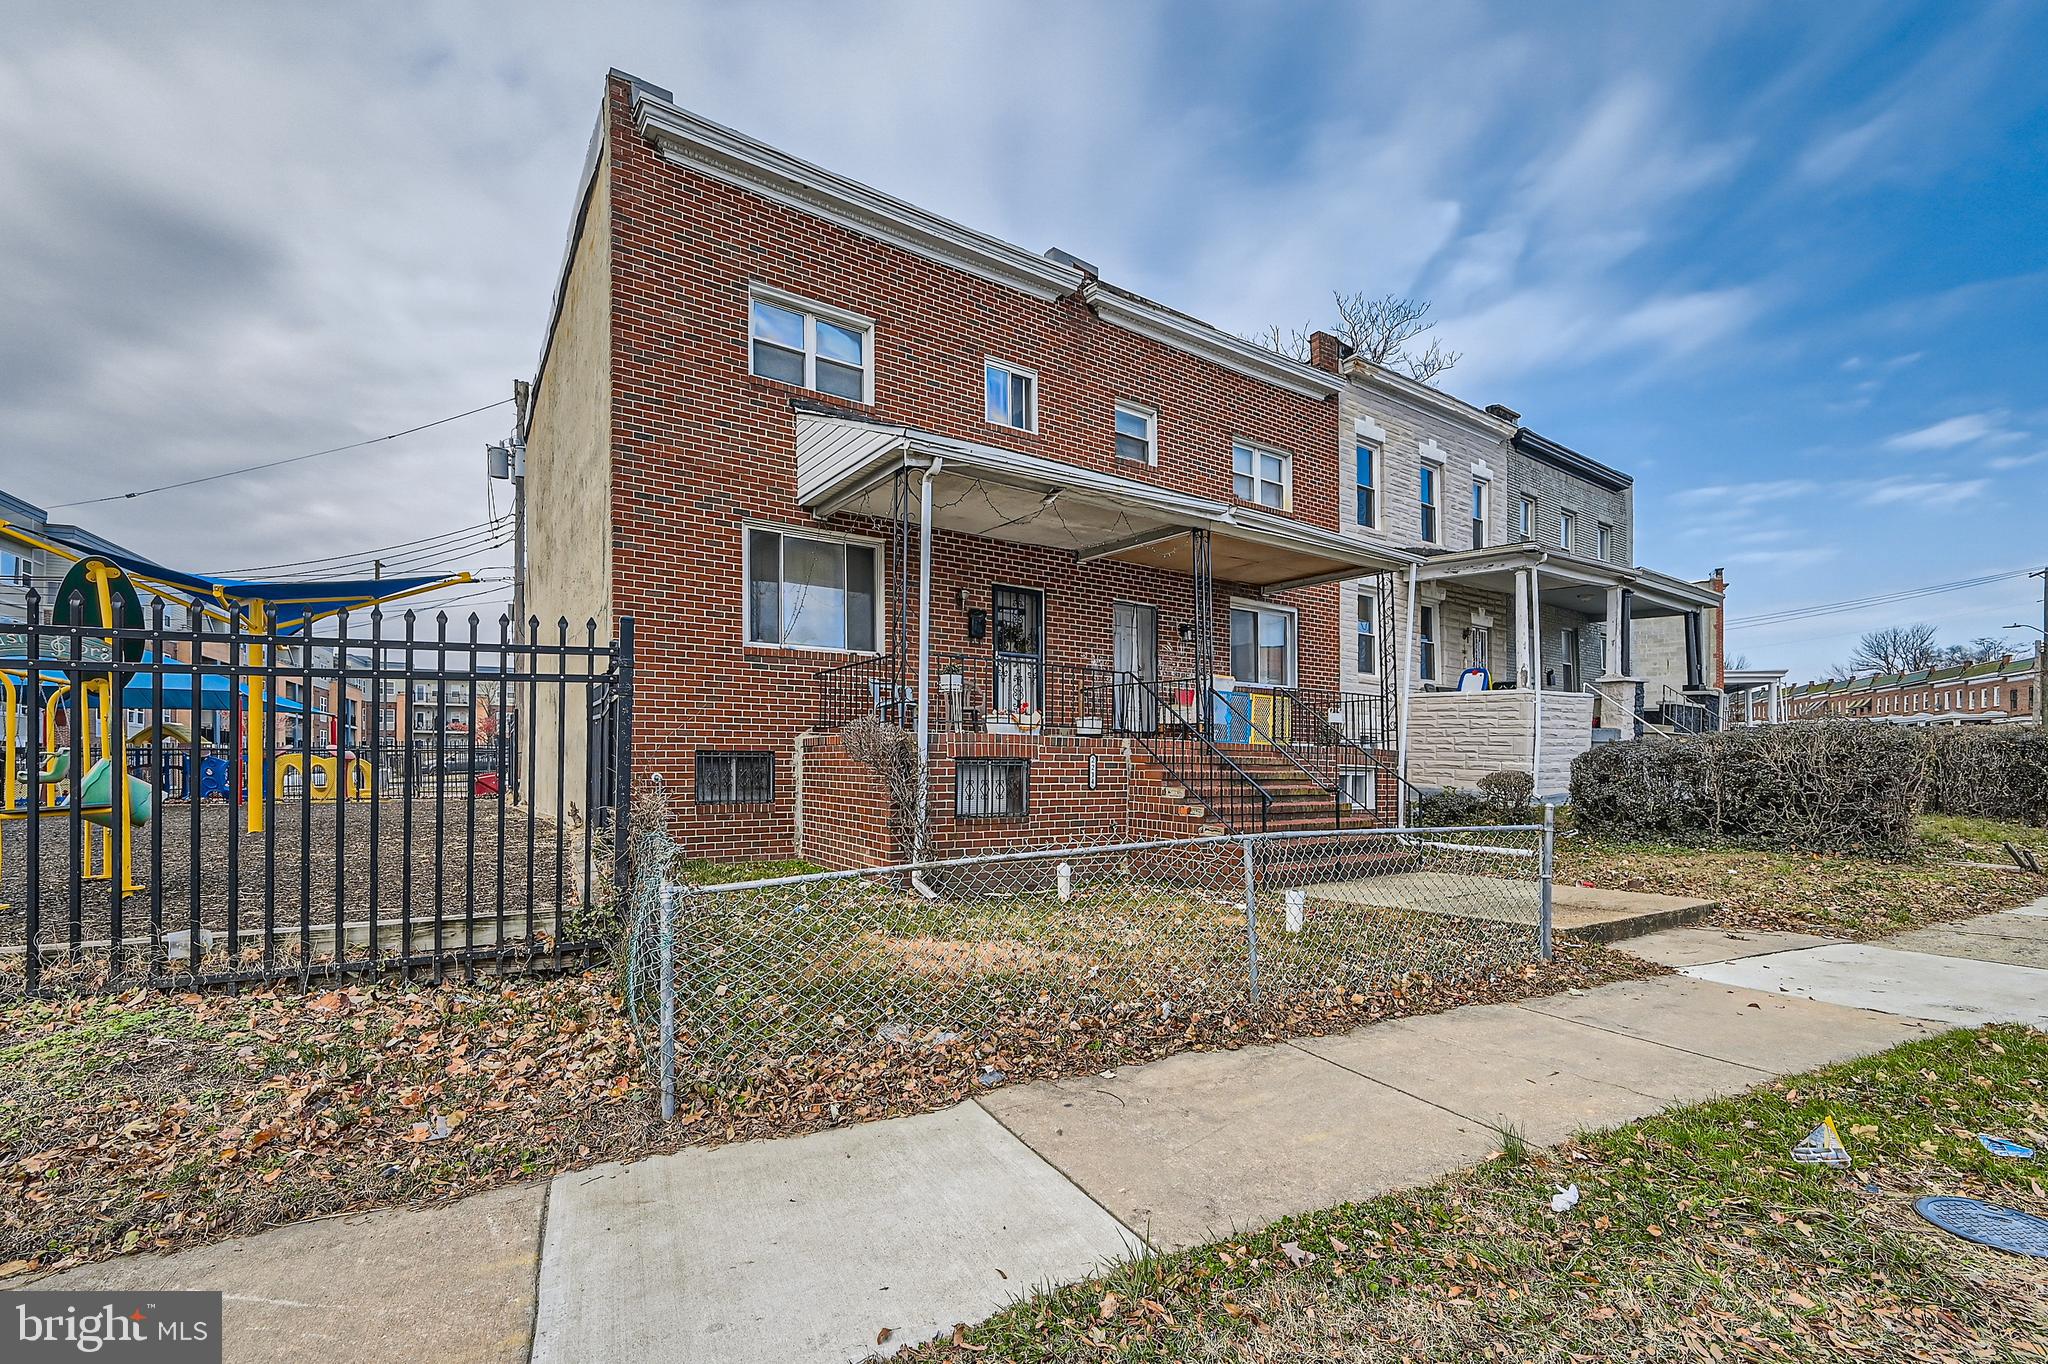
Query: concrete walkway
[[847, 1243]]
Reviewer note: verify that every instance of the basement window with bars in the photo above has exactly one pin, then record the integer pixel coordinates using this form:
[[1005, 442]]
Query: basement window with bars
[[735, 778], [991, 788]]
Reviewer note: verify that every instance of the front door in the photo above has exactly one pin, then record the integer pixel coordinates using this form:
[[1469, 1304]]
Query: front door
[[1137, 667], [1018, 631]]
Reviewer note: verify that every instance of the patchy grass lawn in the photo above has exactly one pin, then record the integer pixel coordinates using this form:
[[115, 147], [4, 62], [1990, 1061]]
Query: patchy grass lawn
[[1840, 896], [1697, 1238]]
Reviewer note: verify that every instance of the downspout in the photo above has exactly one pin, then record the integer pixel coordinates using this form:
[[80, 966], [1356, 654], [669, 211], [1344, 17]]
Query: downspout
[[924, 657], [1407, 687]]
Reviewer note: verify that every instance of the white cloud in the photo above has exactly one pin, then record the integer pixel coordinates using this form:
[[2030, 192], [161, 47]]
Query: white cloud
[[2005, 463], [1972, 428], [1745, 495], [1933, 495]]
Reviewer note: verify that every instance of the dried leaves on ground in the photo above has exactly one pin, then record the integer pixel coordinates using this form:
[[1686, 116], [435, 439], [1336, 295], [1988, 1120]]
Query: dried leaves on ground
[[1696, 1237], [152, 1121], [1953, 873]]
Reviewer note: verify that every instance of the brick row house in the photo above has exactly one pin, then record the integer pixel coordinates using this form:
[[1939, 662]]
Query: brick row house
[[1994, 691], [842, 460]]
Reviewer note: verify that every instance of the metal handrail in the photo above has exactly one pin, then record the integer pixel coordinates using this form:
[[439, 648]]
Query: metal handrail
[[1158, 743]]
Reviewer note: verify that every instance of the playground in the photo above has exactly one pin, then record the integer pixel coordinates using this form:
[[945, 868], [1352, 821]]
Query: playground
[[243, 782]]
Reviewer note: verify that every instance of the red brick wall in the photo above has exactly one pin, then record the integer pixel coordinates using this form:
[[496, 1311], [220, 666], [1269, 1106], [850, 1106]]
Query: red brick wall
[[699, 445]]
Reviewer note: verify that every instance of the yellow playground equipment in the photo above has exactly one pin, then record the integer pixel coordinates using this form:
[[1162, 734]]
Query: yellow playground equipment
[[87, 689], [356, 779]]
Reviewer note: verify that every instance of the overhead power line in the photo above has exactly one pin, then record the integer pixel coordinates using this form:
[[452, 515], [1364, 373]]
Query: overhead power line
[[403, 562], [361, 556], [1798, 613], [277, 463]]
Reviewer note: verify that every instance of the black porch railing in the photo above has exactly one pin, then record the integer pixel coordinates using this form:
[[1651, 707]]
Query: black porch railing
[[140, 846], [1175, 738]]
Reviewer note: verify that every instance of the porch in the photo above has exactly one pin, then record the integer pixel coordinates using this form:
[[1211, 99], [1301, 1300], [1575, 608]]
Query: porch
[[1051, 604], [1528, 655]]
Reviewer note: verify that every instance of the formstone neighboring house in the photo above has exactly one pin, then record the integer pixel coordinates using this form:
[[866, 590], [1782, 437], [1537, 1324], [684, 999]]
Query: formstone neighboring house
[[1527, 551]]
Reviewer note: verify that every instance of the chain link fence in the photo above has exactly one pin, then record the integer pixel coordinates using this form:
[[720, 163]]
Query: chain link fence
[[1134, 947]]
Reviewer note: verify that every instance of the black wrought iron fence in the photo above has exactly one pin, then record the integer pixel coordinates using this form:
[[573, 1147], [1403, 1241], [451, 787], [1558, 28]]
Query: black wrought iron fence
[[211, 805]]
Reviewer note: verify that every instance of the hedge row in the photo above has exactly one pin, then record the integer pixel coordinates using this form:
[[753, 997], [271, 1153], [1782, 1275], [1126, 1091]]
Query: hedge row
[[1828, 786], [1996, 772]]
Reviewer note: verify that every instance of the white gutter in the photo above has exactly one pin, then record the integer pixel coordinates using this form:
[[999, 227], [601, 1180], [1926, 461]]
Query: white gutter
[[1536, 678], [924, 651]]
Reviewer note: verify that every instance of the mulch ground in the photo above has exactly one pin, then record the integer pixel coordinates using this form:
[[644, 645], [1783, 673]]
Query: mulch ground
[[151, 1121], [456, 853]]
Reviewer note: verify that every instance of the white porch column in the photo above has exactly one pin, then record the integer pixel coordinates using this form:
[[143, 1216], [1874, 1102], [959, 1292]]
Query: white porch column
[[1407, 687], [1617, 621], [1524, 672], [1536, 683], [1777, 703]]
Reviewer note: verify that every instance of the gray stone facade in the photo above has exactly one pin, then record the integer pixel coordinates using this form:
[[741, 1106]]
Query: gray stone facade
[[1534, 474]]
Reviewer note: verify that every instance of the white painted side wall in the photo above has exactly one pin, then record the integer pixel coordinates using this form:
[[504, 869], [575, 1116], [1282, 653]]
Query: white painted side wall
[[1455, 738]]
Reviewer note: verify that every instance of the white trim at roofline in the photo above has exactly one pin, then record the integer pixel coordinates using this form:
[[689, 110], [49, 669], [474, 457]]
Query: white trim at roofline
[[724, 154], [1208, 343], [1401, 389]]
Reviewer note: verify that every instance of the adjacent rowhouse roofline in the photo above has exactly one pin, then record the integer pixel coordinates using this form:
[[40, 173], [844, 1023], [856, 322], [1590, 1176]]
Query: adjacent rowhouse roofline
[[1571, 461], [1177, 329], [1415, 393]]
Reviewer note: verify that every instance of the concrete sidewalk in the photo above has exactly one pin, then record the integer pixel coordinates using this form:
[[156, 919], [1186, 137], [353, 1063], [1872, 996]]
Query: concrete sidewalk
[[852, 1242]]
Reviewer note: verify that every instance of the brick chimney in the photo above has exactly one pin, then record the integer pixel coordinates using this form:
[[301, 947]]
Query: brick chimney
[[1325, 351]]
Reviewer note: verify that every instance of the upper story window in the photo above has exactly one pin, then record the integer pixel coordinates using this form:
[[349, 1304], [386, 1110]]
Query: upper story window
[[1137, 434], [811, 346], [1261, 475], [1368, 484], [1479, 495], [1010, 396], [1603, 537], [1567, 529], [811, 592], [1525, 518], [1428, 503]]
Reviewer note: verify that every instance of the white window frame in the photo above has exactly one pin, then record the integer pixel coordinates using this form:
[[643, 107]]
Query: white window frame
[[1603, 540], [1346, 776], [1286, 458], [1369, 453], [812, 311], [747, 529], [1427, 611], [1151, 420], [1365, 607], [1567, 529], [1482, 509], [1526, 512], [990, 362], [1434, 483], [1254, 604]]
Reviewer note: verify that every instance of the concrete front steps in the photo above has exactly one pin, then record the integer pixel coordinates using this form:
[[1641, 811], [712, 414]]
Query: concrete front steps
[[1299, 803]]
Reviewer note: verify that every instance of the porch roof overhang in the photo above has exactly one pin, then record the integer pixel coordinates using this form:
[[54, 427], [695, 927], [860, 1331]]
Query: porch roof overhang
[[844, 465], [1748, 679], [1569, 580]]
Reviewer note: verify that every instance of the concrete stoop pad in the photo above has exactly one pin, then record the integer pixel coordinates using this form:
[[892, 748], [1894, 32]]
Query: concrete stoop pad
[[1917, 984], [1767, 1032], [808, 1248], [1501, 1064], [1692, 946], [1203, 1144], [450, 1284]]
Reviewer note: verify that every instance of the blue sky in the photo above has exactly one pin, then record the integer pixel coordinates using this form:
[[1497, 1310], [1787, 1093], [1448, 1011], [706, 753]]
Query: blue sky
[[1785, 264]]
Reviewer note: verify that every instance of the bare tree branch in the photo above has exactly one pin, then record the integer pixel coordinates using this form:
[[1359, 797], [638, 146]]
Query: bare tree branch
[[1377, 330]]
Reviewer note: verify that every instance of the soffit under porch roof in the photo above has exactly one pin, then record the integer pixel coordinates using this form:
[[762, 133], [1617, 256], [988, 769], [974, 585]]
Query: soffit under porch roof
[[1569, 580], [844, 465]]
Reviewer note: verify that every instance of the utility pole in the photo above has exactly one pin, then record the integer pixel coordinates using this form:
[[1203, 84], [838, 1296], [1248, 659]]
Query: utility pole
[[2041, 656], [522, 393]]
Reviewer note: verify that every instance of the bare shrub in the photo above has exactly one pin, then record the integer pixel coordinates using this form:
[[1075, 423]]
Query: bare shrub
[[1509, 792], [891, 750], [1992, 772], [1829, 786]]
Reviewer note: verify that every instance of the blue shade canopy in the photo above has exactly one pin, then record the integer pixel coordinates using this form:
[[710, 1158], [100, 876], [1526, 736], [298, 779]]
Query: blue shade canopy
[[140, 693]]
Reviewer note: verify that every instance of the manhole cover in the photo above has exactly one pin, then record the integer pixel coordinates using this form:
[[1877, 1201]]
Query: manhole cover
[[2022, 1233]]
